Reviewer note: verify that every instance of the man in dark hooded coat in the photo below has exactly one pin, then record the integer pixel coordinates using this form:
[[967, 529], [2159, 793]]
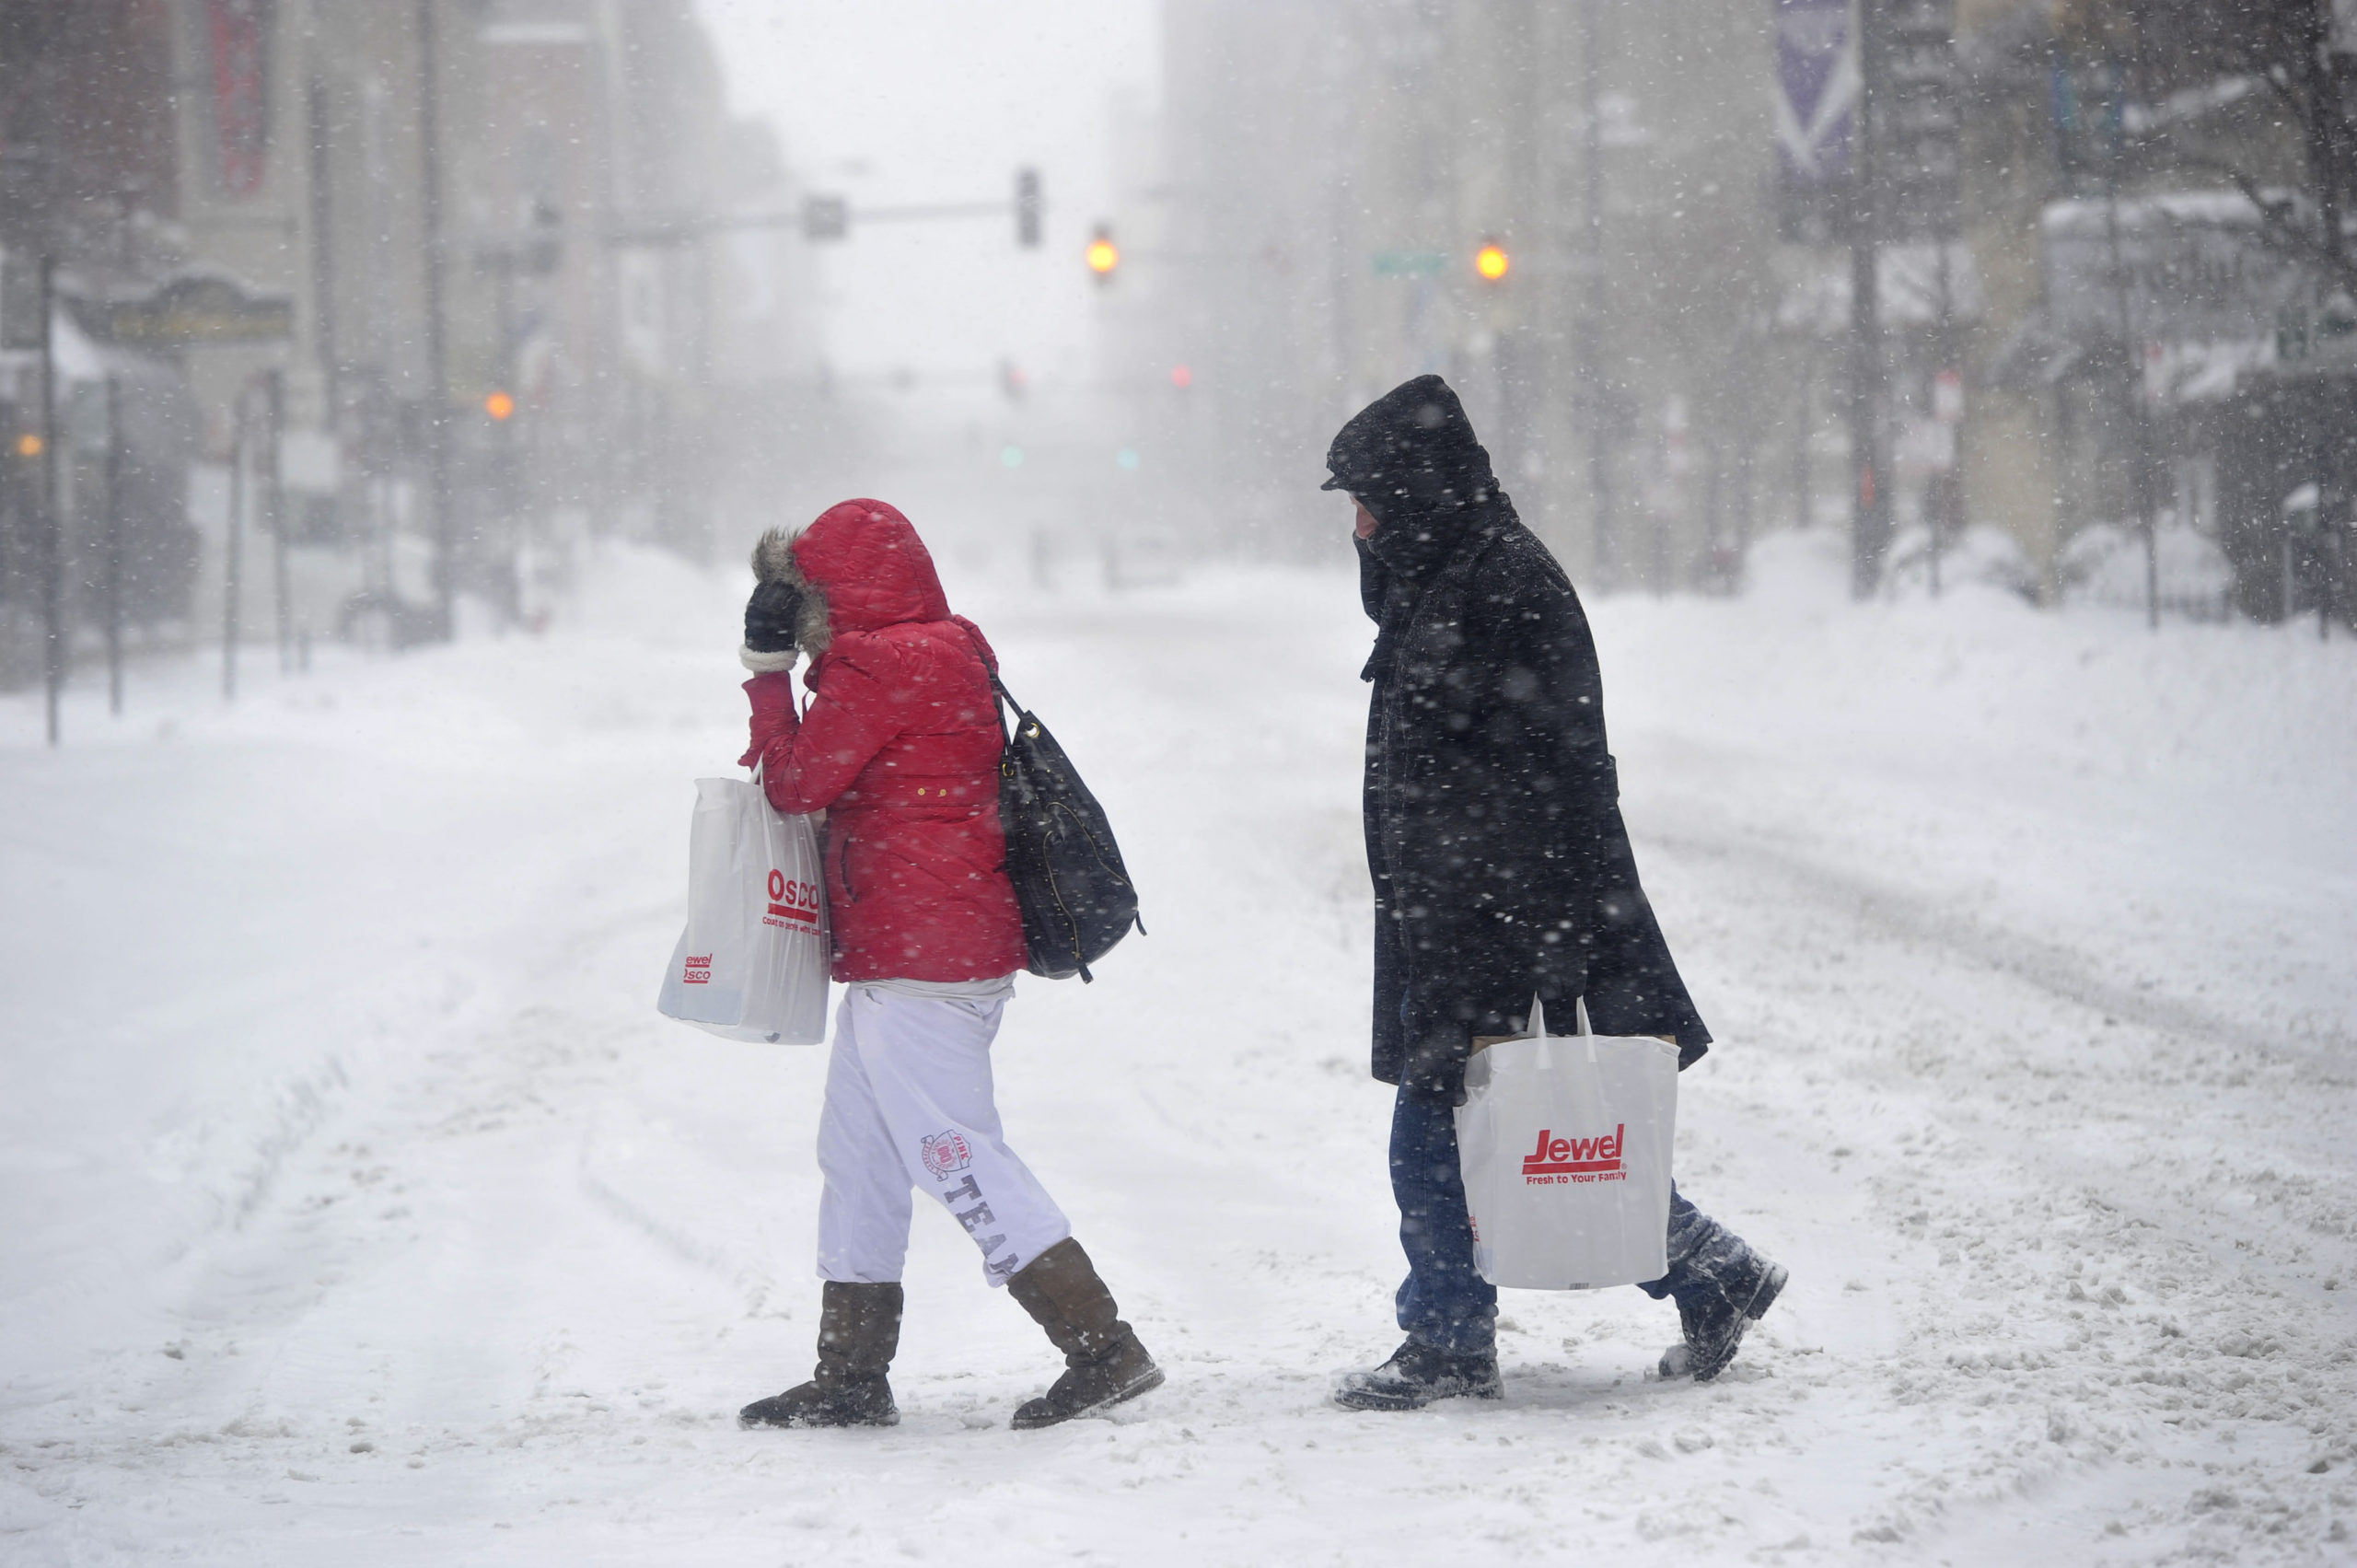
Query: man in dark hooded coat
[[1502, 873]]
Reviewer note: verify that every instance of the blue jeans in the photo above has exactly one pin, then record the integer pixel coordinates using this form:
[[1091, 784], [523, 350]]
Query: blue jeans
[[1444, 1301]]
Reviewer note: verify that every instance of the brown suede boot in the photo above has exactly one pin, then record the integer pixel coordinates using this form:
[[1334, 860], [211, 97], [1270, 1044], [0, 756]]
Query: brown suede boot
[[859, 1328], [1104, 1363]]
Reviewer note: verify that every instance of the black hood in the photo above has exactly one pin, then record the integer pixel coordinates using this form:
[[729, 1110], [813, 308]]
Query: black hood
[[1411, 458]]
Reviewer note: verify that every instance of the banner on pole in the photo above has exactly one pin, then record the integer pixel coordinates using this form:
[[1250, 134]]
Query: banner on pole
[[240, 35], [1817, 105]]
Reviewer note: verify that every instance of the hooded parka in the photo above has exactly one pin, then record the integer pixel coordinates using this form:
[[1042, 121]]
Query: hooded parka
[[1501, 869], [900, 748]]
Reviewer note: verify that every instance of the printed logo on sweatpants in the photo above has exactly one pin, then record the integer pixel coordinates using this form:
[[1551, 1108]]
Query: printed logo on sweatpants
[[975, 1219], [944, 1152]]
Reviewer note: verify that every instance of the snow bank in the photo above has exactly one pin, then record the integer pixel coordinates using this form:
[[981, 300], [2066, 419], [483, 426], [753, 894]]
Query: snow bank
[[2105, 564]]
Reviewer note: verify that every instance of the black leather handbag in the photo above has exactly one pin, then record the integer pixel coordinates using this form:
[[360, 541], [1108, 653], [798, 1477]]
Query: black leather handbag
[[1076, 897]]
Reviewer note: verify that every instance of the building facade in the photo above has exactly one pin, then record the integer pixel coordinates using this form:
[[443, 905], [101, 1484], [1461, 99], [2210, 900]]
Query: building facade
[[490, 241]]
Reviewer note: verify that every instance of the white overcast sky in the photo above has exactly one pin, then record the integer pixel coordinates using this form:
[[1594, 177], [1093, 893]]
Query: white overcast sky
[[918, 101]]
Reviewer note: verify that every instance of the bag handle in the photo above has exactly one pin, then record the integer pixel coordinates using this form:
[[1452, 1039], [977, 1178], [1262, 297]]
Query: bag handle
[[1580, 1029], [1538, 1019]]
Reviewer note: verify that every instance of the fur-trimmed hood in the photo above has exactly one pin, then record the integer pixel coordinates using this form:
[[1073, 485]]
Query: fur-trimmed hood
[[773, 562], [861, 567]]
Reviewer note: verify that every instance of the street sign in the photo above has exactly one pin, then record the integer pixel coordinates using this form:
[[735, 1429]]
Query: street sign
[[190, 311], [1410, 263], [2181, 266], [1916, 123], [1028, 205], [825, 218], [2325, 333], [89, 418], [1947, 397], [21, 327]]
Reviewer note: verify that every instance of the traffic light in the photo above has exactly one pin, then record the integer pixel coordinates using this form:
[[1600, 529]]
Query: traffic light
[[501, 406], [1011, 382], [1492, 260], [543, 251], [1103, 255], [1028, 205]]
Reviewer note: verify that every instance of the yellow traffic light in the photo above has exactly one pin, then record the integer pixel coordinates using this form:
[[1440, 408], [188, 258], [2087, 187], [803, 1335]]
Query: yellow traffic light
[[501, 406], [29, 445], [1103, 254], [1492, 260]]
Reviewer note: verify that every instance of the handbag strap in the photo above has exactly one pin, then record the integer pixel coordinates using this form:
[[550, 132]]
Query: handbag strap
[[1004, 695], [1005, 699]]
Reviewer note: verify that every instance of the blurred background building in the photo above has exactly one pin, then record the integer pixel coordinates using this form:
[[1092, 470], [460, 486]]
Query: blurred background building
[[2110, 295], [401, 295], [353, 318]]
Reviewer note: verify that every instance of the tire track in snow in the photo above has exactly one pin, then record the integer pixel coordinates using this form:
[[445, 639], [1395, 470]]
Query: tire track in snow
[[2125, 1301], [2040, 961]]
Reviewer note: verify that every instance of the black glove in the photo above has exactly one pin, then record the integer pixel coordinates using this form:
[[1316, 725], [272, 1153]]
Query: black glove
[[770, 617]]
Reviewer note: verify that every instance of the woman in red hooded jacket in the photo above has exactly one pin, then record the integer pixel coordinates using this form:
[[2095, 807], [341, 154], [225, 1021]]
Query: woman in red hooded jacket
[[899, 747]]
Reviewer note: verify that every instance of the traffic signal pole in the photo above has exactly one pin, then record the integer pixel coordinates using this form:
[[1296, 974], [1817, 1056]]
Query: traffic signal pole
[[115, 464], [52, 525], [233, 553], [1602, 523], [825, 219], [438, 413], [1869, 459], [269, 488]]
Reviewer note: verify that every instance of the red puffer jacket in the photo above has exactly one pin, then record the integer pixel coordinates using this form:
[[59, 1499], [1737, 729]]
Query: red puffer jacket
[[901, 748]]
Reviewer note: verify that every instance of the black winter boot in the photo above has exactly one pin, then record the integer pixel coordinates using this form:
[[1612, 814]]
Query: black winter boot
[[1713, 1310], [1104, 1364], [1416, 1376], [859, 1328]]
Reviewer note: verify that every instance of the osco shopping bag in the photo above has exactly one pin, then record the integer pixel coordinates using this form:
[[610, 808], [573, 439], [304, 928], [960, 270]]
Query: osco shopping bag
[[1564, 1142], [753, 963]]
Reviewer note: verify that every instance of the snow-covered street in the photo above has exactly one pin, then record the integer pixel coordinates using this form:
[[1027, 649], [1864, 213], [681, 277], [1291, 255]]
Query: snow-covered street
[[356, 1207]]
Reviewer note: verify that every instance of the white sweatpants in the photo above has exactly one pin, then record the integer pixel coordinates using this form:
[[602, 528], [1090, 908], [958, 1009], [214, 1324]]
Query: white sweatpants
[[909, 1104]]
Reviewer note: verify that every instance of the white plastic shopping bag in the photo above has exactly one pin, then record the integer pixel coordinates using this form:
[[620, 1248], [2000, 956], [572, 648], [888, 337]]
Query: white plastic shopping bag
[[753, 963], [1564, 1144]]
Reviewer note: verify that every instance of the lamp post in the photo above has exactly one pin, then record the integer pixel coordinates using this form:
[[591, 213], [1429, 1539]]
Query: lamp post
[[1603, 522], [437, 421], [53, 531], [1869, 460]]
